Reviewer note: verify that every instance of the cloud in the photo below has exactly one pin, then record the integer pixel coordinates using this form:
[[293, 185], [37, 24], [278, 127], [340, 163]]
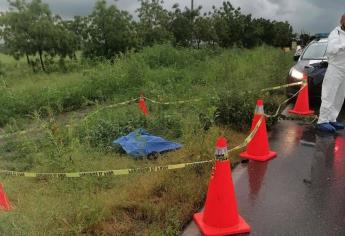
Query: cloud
[[309, 15], [70, 8], [305, 15]]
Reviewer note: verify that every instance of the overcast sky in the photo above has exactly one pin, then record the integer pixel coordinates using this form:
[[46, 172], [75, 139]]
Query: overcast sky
[[309, 15]]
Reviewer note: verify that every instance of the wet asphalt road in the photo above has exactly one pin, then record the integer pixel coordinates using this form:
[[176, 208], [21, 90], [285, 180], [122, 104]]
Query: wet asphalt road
[[302, 191]]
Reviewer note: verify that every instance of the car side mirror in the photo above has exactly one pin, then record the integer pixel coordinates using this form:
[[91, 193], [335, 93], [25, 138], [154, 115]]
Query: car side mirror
[[296, 57]]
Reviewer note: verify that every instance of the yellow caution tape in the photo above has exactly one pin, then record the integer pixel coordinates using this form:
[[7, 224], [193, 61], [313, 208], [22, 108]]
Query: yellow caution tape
[[256, 128], [87, 117], [152, 168], [173, 103], [128, 171], [111, 106], [158, 102], [286, 101], [199, 99], [104, 173], [316, 117], [119, 172], [283, 86], [119, 104], [249, 137]]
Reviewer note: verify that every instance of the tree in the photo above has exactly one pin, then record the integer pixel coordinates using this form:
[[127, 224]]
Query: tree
[[204, 30], [65, 41], [182, 25], [30, 29], [266, 31], [283, 34], [77, 26], [153, 22], [109, 32], [236, 29], [15, 30], [228, 25]]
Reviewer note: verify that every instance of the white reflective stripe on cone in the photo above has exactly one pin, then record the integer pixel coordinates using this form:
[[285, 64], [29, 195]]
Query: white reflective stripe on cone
[[259, 110]]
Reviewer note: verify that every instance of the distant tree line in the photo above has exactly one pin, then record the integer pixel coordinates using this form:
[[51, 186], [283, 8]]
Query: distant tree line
[[29, 29]]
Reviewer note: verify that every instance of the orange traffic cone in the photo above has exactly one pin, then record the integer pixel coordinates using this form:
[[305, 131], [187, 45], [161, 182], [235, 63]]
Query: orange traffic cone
[[221, 147], [142, 105], [4, 202], [220, 216], [302, 103], [258, 148]]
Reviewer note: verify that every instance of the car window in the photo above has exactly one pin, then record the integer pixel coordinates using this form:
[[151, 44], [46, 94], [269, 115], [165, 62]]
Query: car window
[[315, 51]]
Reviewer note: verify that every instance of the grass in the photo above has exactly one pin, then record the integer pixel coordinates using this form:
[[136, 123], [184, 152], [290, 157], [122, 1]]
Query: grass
[[159, 203], [150, 71]]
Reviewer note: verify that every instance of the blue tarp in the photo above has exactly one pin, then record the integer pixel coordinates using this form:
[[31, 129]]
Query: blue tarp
[[141, 143]]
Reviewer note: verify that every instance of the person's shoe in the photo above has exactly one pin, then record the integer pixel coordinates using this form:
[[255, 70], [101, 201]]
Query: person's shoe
[[337, 125], [326, 127]]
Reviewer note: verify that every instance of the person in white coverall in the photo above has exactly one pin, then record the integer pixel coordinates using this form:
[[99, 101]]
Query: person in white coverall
[[333, 86]]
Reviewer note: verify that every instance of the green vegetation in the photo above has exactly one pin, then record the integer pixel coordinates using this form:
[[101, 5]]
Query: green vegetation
[[158, 71], [66, 73], [73, 131], [30, 30]]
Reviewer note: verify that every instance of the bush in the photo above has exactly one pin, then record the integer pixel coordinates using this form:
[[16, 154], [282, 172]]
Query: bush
[[165, 56], [100, 130], [125, 205], [158, 71], [237, 109]]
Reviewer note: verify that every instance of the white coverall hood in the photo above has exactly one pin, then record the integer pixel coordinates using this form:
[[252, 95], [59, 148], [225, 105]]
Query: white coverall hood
[[333, 86]]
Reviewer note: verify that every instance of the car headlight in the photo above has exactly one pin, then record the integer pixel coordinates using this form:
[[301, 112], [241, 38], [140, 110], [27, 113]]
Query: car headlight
[[296, 74]]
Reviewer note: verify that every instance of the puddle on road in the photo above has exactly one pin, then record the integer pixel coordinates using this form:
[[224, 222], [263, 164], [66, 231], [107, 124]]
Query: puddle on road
[[303, 188]]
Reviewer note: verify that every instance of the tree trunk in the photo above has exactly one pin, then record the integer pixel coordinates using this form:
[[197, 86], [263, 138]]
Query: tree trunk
[[30, 63], [42, 64], [28, 59]]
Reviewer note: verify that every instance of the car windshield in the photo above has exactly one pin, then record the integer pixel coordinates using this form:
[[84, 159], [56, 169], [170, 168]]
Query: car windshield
[[315, 51]]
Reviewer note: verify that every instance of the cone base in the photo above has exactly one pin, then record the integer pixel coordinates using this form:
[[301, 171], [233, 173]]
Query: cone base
[[268, 157], [241, 228], [303, 113]]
